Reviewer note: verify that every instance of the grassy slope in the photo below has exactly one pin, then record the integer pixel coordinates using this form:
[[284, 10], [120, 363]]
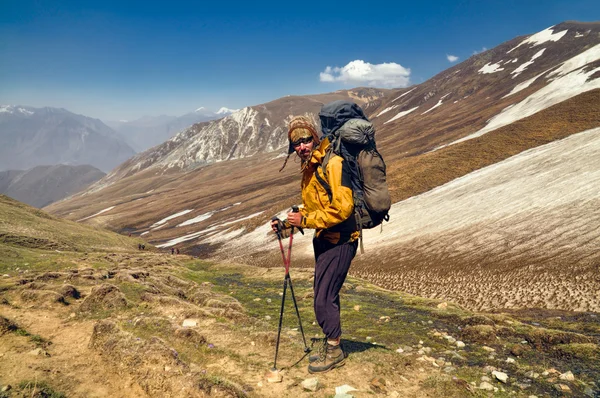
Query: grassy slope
[[29, 235]]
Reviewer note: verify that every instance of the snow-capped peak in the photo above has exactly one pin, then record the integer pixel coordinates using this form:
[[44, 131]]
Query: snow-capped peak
[[12, 109], [226, 111], [200, 109]]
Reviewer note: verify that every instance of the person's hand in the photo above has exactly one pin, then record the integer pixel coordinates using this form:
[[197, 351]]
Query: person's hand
[[295, 219], [276, 225]]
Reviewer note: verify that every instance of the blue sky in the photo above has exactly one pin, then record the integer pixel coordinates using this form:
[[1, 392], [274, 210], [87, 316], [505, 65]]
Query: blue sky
[[125, 59]]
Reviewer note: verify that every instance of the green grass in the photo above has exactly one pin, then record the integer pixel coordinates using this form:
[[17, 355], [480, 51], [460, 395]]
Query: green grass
[[38, 389]]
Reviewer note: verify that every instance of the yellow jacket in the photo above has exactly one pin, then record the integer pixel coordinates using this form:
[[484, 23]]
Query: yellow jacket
[[327, 198]]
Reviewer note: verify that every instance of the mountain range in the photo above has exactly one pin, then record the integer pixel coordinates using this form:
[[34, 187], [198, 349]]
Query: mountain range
[[32, 137], [149, 131], [42, 185], [491, 165]]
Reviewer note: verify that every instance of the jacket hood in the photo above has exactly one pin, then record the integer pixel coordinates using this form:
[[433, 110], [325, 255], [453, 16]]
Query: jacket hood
[[334, 114]]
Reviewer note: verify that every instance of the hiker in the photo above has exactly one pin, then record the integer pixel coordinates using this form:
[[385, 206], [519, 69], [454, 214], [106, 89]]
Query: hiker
[[172, 251], [177, 250], [139, 246], [335, 239]]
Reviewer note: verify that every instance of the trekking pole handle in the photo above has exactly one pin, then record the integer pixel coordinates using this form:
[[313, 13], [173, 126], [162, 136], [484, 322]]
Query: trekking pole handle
[[278, 232], [295, 209]]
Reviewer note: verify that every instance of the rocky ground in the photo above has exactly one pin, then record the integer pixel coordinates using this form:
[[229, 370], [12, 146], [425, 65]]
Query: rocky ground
[[156, 325]]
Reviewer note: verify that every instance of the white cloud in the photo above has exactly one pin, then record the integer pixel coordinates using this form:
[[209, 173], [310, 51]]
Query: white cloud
[[360, 72], [451, 58]]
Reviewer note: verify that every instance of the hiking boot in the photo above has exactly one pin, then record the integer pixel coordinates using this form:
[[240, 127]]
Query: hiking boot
[[332, 356], [322, 344]]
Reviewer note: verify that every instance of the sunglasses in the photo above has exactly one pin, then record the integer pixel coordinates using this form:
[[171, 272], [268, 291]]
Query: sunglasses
[[305, 141]]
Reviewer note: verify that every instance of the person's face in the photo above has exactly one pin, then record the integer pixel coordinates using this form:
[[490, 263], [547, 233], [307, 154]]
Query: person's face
[[303, 147]]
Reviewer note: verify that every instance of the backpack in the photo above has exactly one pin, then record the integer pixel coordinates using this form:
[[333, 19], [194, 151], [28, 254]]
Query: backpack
[[352, 136]]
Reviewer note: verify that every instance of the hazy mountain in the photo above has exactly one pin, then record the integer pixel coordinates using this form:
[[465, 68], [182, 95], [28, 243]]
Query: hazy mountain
[[492, 166], [43, 185], [149, 131], [41, 136]]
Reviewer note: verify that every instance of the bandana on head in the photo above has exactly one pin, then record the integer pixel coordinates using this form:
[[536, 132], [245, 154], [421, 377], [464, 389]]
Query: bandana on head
[[301, 127]]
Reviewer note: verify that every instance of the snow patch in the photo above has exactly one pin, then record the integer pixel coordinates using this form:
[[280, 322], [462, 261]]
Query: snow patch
[[524, 66], [399, 115], [490, 68], [544, 36], [436, 105], [197, 219], [409, 91], [389, 108], [164, 220], [523, 85], [571, 80], [100, 212]]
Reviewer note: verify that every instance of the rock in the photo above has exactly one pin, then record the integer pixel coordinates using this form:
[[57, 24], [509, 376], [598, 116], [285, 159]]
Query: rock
[[523, 386], [189, 323], [257, 299], [440, 361], [532, 375], [443, 306], [489, 368], [357, 308], [451, 339], [485, 378], [400, 351], [6, 388], [588, 392], [343, 396], [500, 376], [562, 388], [394, 394], [311, 384], [378, 385], [488, 349], [567, 376], [268, 317], [274, 376], [449, 369], [486, 386], [510, 360], [344, 389], [427, 350], [39, 352], [460, 344]]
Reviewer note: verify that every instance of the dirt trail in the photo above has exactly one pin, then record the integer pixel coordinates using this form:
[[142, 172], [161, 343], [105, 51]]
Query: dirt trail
[[70, 364], [141, 350]]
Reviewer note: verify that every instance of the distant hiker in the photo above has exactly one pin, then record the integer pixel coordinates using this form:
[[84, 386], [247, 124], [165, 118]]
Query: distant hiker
[[139, 246], [330, 213], [177, 250], [129, 235], [172, 251], [143, 247]]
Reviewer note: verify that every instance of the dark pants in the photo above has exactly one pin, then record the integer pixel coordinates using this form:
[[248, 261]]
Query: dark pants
[[331, 268]]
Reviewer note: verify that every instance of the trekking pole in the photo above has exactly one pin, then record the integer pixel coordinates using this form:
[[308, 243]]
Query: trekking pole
[[287, 279], [306, 348]]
